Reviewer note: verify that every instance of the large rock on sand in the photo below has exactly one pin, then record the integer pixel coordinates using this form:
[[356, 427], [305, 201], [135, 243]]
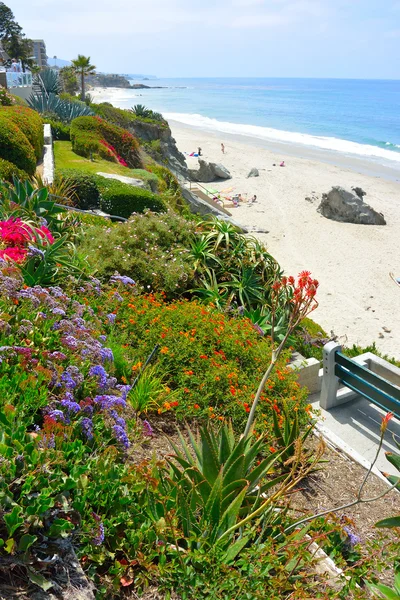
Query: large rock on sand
[[341, 205], [209, 172], [253, 173]]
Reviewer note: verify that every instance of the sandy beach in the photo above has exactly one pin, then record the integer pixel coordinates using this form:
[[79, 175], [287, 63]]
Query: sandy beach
[[358, 300]]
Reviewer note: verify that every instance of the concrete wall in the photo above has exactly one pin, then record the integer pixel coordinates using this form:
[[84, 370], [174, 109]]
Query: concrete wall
[[22, 92]]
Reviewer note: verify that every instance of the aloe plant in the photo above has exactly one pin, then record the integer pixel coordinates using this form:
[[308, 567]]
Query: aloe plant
[[383, 591], [217, 483], [22, 199], [287, 434]]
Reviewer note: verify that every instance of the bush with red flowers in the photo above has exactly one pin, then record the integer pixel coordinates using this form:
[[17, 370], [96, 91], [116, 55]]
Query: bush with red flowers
[[212, 362], [93, 135], [17, 236]]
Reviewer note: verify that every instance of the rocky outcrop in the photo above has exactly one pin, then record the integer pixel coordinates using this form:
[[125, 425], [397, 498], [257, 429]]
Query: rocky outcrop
[[208, 172], [253, 173], [203, 208], [169, 153], [341, 205]]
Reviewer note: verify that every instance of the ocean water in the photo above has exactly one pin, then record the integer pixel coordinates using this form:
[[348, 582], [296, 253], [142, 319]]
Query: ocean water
[[356, 117]]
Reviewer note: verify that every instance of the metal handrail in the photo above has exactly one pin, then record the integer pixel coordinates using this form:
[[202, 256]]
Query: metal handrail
[[80, 210], [43, 87]]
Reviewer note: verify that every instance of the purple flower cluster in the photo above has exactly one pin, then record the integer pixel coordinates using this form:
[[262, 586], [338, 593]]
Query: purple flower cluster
[[87, 427], [82, 345], [352, 538], [32, 251], [120, 435], [98, 538], [122, 279], [69, 403], [147, 429]]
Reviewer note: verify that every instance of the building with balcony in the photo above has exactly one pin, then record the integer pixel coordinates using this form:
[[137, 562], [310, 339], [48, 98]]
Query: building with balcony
[[39, 52]]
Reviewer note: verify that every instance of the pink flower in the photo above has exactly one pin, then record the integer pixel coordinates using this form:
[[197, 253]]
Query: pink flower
[[16, 254]]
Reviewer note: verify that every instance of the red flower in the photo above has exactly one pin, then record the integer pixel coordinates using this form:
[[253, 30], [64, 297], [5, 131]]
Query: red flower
[[385, 421]]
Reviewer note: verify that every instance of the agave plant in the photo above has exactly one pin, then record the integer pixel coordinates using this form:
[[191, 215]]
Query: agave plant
[[65, 110], [262, 317], [246, 288], [221, 231], [49, 81], [50, 264], [212, 291], [201, 253], [22, 199], [141, 111]]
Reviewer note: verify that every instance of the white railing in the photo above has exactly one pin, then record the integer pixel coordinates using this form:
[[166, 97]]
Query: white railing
[[18, 79]]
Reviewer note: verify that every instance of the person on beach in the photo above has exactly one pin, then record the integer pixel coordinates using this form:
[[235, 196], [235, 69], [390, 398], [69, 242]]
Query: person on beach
[[254, 199], [222, 148], [199, 151], [282, 164]]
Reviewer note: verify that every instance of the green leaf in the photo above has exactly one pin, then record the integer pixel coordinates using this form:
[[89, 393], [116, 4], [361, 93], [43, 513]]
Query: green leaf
[[234, 550], [39, 580], [389, 522], [13, 520], [394, 459], [231, 514], [384, 591], [9, 545], [213, 507], [26, 542]]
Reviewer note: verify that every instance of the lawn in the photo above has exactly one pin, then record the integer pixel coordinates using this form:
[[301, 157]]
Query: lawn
[[65, 158]]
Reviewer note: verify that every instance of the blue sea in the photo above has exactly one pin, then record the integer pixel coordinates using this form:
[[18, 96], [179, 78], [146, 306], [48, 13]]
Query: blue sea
[[356, 117]]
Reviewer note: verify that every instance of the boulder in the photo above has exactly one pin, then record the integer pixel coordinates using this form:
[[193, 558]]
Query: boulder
[[359, 192], [253, 173], [220, 171], [341, 205], [209, 172]]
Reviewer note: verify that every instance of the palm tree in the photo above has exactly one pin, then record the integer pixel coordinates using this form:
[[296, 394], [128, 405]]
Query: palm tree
[[83, 67]]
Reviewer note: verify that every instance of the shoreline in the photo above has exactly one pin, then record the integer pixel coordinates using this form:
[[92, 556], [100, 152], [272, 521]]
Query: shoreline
[[378, 166], [351, 162], [357, 298]]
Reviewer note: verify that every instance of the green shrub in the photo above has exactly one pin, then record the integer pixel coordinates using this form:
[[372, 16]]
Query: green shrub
[[212, 362], [60, 130], [94, 135], [6, 99], [19, 101], [310, 339], [122, 199], [85, 185], [29, 123], [124, 118], [150, 248], [14, 145], [154, 183], [8, 169]]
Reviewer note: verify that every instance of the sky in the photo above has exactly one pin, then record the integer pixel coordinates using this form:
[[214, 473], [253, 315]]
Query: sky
[[222, 38]]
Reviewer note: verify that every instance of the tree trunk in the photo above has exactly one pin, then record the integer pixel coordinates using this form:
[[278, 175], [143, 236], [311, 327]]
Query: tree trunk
[[82, 86]]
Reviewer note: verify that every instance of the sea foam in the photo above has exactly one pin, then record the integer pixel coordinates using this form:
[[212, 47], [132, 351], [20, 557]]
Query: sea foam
[[288, 137]]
